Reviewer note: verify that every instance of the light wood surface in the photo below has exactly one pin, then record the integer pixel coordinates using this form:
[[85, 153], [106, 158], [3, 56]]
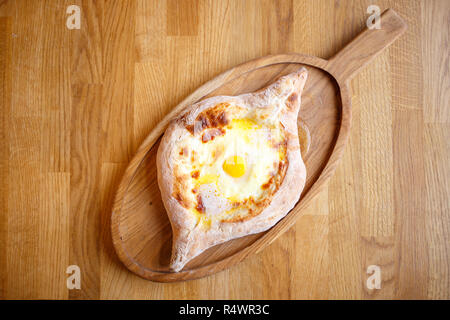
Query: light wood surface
[[76, 104]]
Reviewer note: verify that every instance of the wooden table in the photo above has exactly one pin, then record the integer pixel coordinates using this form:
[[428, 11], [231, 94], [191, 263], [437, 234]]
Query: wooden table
[[75, 105]]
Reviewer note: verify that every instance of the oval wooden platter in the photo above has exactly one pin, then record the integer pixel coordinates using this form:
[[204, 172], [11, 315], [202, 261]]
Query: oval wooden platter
[[141, 230]]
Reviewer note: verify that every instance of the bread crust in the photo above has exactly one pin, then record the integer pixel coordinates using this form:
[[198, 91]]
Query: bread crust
[[189, 240]]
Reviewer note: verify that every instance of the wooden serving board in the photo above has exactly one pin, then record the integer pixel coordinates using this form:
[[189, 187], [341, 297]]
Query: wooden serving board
[[140, 227]]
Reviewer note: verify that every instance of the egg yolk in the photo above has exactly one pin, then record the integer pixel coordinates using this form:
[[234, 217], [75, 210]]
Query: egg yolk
[[234, 166]]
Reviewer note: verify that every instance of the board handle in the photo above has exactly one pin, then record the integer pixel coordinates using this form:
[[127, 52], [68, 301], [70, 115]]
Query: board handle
[[366, 46]]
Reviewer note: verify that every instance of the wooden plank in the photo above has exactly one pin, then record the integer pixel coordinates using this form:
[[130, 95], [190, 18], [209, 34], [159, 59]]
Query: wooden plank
[[23, 222], [376, 214], [408, 186], [53, 220], [435, 34], [379, 251], [27, 57], [118, 33], [53, 237], [437, 193], [86, 142], [150, 40], [86, 44], [313, 38], [182, 18], [277, 22], [343, 235], [309, 272], [55, 105], [150, 99], [405, 57], [5, 103], [85, 163]]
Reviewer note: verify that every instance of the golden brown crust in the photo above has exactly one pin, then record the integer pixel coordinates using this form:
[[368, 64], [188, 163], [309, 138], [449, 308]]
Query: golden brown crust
[[190, 238]]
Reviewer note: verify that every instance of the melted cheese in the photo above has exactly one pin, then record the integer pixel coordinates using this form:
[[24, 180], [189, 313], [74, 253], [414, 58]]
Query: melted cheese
[[233, 167]]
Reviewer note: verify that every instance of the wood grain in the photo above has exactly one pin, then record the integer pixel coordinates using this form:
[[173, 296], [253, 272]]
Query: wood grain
[[182, 18], [5, 96], [142, 72]]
